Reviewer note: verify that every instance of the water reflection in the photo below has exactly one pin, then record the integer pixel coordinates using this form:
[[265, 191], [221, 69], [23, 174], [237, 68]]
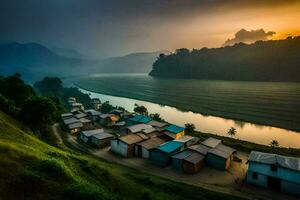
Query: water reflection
[[210, 124]]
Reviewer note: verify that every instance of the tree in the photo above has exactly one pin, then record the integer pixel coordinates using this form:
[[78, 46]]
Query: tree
[[140, 109], [106, 107], [231, 132], [190, 128], [274, 144], [14, 88], [49, 86], [39, 112], [157, 117]]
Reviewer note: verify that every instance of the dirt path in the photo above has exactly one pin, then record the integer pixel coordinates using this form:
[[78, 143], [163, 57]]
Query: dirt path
[[55, 129]]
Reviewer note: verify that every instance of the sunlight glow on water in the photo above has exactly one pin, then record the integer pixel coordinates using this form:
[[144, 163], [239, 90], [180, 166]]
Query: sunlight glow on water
[[210, 124]]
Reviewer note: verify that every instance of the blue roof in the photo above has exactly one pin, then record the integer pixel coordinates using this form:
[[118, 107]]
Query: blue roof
[[170, 146], [141, 119], [174, 129]]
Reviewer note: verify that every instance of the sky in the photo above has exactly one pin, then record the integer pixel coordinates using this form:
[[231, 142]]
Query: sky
[[106, 28]]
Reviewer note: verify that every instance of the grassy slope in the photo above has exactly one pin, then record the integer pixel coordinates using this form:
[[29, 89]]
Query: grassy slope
[[31, 169]]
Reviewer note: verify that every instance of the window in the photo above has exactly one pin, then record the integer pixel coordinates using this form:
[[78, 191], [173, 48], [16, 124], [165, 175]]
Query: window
[[273, 168], [255, 175]]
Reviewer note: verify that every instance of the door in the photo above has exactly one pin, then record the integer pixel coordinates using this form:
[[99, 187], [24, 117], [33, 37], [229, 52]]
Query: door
[[274, 183]]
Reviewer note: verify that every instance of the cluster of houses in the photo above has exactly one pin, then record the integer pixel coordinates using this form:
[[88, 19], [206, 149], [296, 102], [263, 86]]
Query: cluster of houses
[[166, 144]]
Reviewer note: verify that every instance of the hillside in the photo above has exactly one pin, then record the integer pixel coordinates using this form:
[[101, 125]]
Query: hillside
[[131, 63], [29, 165], [274, 60], [35, 61]]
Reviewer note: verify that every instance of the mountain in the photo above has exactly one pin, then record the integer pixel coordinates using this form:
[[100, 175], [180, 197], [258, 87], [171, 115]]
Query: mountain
[[273, 60], [131, 63], [34, 61], [69, 53]]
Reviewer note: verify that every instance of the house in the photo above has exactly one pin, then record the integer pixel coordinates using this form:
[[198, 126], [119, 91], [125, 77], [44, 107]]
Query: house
[[143, 128], [200, 148], [96, 103], [139, 119], [108, 119], [66, 115], [101, 139], [187, 140], [71, 120], [125, 145], [75, 128], [220, 157], [193, 163], [71, 100], [120, 125], [142, 149], [178, 158], [86, 123], [159, 126], [77, 106], [211, 142], [80, 115], [93, 115], [274, 171], [174, 131], [85, 135], [161, 155]]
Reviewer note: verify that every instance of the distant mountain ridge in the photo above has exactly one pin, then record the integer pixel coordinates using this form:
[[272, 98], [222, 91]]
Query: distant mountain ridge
[[35, 61], [273, 60]]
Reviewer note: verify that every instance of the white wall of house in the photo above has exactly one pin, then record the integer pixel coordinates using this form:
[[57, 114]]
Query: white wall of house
[[119, 147]]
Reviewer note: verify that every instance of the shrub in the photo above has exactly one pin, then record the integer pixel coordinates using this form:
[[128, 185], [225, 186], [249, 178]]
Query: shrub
[[84, 190], [54, 168]]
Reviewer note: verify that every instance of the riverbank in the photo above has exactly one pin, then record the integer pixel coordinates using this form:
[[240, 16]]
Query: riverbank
[[263, 103], [209, 124]]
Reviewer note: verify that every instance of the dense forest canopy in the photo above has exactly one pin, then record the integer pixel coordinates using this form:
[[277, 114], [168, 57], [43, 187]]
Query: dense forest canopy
[[274, 60]]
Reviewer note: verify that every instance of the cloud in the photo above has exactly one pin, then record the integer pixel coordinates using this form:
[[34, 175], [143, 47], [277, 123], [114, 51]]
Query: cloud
[[249, 36]]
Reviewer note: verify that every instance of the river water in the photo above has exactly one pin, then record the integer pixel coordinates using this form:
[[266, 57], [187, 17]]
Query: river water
[[210, 124]]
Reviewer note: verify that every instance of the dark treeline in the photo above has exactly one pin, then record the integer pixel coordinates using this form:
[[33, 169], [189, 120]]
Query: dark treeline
[[274, 60]]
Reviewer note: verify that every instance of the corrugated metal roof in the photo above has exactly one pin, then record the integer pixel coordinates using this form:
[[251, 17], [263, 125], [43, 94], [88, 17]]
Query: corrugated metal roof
[[222, 151], [174, 129], [93, 112], [194, 158], [84, 120], [170, 146], [182, 154], [66, 115], [139, 127], [271, 159], [211, 142], [157, 124], [70, 121], [131, 138], [141, 119], [75, 125], [200, 148], [152, 143], [103, 135], [92, 132], [80, 115], [185, 138]]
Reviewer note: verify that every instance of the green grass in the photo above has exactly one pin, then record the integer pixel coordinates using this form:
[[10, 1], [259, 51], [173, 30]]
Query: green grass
[[32, 169]]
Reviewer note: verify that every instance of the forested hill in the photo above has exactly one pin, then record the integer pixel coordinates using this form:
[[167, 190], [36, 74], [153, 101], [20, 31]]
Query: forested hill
[[274, 60]]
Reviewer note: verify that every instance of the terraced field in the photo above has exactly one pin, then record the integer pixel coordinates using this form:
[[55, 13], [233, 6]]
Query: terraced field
[[268, 103]]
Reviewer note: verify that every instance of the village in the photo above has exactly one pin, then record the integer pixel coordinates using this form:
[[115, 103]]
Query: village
[[138, 141]]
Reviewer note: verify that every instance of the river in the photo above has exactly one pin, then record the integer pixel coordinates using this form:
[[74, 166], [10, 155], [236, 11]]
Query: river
[[210, 124]]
